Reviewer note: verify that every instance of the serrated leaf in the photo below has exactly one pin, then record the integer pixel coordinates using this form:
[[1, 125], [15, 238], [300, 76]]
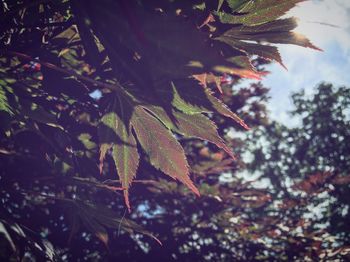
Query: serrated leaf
[[236, 4], [197, 126], [256, 12], [199, 100], [126, 159], [115, 132], [4, 104], [163, 150], [264, 51], [106, 135], [279, 25], [287, 38], [278, 32]]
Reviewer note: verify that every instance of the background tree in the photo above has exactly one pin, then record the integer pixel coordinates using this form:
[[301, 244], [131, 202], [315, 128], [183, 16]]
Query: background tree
[[308, 165]]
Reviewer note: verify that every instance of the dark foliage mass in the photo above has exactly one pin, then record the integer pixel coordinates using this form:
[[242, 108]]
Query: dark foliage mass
[[105, 104]]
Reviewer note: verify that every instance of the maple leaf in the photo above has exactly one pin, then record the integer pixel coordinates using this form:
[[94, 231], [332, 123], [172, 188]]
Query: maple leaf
[[163, 150], [196, 125], [199, 100], [255, 12], [115, 132], [277, 32], [161, 147]]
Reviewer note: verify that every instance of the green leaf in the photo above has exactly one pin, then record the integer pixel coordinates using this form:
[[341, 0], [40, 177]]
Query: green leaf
[[163, 150], [236, 4], [86, 140], [279, 25], [4, 105], [106, 134], [125, 154], [198, 100], [278, 32], [197, 126], [255, 12], [264, 51], [115, 132]]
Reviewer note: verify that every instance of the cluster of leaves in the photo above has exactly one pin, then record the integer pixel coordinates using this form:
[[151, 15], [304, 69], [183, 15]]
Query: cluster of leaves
[[307, 169], [125, 84], [294, 208], [289, 210]]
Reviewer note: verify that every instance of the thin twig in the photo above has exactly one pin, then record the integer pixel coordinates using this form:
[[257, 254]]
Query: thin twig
[[121, 221], [110, 181]]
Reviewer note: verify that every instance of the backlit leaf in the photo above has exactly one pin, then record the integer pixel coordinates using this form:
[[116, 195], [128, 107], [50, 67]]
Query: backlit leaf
[[163, 150], [255, 12], [200, 100], [236, 4], [264, 51], [196, 125], [115, 132], [278, 32]]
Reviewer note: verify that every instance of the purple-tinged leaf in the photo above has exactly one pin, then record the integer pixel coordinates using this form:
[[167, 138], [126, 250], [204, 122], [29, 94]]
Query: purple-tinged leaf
[[199, 100], [197, 126], [164, 151], [115, 132]]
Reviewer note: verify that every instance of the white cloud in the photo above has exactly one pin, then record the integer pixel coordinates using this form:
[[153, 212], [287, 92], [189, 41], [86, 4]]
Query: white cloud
[[306, 67], [317, 17]]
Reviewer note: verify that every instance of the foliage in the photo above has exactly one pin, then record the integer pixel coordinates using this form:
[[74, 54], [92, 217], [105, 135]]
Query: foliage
[[162, 72], [312, 160]]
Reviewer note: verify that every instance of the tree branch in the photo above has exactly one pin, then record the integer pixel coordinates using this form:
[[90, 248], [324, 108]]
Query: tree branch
[[64, 71]]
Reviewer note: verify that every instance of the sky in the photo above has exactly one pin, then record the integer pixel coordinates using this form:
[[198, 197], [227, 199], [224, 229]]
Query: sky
[[327, 24]]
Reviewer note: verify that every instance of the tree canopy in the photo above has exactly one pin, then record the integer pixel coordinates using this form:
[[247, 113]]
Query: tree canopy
[[104, 105]]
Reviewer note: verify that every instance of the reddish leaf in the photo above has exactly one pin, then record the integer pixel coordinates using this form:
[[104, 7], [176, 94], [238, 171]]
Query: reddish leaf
[[163, 150], [197, 125]]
